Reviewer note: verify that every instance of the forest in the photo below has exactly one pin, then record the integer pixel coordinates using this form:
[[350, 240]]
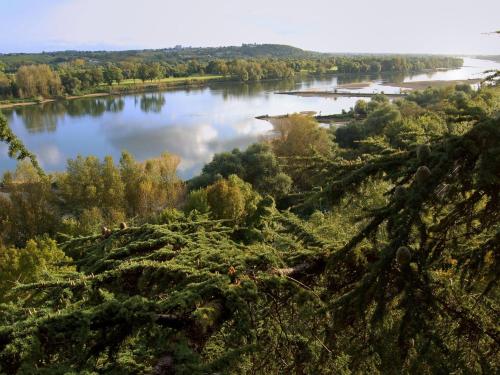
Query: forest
[[59, 74], [369, 248]]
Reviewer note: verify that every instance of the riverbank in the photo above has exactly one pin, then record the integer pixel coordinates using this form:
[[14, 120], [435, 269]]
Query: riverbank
[[172, 83], [126, 87], [137, 87], [405, 86], [354, 85], [337, 94], [421, 85], [334, 119], [28, 102]]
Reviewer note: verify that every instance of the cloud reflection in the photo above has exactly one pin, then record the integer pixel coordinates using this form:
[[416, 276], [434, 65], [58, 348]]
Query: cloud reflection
[[195, 144], [49, 155], [193, 124]]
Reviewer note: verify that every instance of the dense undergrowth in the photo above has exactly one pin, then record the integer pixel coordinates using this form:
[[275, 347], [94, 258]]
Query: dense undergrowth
[[373, 251]]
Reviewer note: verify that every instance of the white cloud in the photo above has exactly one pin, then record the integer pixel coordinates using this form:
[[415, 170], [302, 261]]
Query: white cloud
[[446, 26]]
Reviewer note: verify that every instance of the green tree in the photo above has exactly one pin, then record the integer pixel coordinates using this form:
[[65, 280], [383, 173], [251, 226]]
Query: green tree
[[217, 67], [384, 263], [28, 209], [142, 72], [89, 183], [5, 86], [151, 186], [197, 200], [71, 84], [299, 135], [361, 108], [112, 73], [232, 198], [257, 165], [36, 80], [35, 262], [131, 173], [96, 75], [155, 71], [129, 69]]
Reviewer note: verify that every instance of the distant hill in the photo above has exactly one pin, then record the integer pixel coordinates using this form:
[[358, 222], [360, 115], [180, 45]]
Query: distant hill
[[490, 57], [177, 53]]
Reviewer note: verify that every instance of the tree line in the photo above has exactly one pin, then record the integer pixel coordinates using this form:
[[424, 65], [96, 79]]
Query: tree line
[[82, 76], [98, 192], [367, 248]]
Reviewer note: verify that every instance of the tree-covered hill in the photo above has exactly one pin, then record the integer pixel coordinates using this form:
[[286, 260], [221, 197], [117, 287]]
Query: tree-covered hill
[[244, 51]]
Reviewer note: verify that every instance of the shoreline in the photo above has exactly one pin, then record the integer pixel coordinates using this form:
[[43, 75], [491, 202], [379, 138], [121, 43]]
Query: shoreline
[[123, 90], [137, 88], [333, 119], [200, 82], [49, 100], [421, 85], [338, 94], [407, 87]]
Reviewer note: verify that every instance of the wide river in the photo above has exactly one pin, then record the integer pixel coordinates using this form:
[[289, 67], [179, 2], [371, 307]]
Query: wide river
[[192, 123]]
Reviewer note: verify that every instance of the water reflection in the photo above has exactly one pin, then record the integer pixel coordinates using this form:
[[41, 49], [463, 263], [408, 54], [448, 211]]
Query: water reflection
[[230, 90], [39, 119], [94, 107], [50, 155], [343, 79], [194, 143], [115, 104], [47, 116], [152, 102], [193, 123]]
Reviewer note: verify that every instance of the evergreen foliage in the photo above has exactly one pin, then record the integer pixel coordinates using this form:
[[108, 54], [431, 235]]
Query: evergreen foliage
[[17, 149], [385, 262]]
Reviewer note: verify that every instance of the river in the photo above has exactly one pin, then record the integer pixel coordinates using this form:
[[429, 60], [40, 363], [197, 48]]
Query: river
[[192, 123]]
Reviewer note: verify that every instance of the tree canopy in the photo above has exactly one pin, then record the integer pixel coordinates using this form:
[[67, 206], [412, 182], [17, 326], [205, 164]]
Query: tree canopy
[[382, 259]]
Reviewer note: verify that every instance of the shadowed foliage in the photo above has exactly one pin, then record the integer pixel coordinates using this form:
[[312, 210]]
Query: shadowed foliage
[[389, 264]]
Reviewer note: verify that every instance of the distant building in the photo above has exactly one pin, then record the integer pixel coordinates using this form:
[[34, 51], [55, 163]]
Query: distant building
[[178, 46]]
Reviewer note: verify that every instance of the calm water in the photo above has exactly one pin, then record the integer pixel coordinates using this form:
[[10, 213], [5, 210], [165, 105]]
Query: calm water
[[193, 124]]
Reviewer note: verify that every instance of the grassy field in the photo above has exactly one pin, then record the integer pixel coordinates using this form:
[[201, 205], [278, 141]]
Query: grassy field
[[131, 82]]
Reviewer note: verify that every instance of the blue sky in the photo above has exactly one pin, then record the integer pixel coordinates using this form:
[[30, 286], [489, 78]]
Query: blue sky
[[424, 26]]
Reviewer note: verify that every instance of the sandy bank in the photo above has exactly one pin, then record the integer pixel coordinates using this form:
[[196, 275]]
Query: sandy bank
[[420, 85]]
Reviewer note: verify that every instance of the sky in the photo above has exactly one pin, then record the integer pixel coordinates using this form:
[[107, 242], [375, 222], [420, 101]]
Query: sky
[[372, 26]]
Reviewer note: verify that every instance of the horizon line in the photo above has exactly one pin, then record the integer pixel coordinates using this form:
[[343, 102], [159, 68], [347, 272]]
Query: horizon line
[[182, 47]]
